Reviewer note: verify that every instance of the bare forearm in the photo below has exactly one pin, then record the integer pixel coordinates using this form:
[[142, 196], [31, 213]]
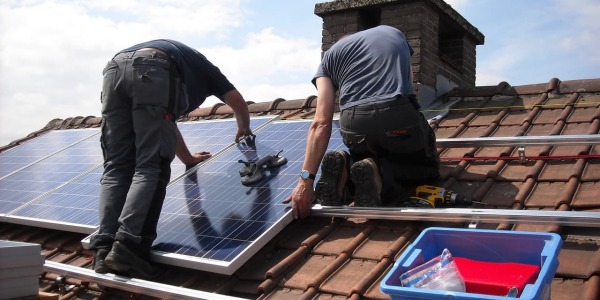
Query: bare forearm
[[237, 103], [316, 146]]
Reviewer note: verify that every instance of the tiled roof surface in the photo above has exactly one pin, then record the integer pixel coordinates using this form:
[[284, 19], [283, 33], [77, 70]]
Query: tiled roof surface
[[318, 257]]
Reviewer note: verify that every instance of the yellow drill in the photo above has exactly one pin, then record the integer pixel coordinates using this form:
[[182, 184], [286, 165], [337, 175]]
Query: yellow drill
[[433, 196]]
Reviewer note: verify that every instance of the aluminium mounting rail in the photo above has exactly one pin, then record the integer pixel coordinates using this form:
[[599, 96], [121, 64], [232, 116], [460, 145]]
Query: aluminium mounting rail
[[472, 215], [138, 286], [551, 140]]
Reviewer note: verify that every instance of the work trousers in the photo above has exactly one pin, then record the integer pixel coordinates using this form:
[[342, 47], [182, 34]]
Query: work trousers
[[397, 136], [138, 139]]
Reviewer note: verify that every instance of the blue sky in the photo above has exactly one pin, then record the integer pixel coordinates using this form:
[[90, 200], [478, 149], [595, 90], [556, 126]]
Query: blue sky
[[52, 51]]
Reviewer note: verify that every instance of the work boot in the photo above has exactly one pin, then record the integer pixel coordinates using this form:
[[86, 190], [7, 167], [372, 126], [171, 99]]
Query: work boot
[[98, 263], [367, 183], [334, 174], [123, 260]]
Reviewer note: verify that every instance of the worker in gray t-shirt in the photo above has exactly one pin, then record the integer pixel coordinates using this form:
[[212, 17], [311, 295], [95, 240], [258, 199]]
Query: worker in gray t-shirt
[[391, 144]]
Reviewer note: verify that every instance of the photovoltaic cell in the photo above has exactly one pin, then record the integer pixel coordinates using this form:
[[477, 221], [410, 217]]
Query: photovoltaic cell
[[210, 136], [211, 222], [72, 207], [35, 149], [48, 174]]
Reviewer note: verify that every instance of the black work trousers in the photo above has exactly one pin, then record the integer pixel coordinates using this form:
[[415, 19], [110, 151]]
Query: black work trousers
[[138, 139], [397, 136]]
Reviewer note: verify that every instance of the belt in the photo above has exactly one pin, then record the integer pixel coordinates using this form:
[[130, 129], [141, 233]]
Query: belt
[[398, 101]]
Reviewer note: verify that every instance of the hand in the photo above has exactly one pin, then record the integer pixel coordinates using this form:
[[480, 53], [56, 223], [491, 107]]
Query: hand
[[243, 133], [197, 158], [301, 198]]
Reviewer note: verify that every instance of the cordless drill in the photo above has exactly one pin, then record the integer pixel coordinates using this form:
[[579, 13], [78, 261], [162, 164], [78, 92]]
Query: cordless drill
[[433, 196]]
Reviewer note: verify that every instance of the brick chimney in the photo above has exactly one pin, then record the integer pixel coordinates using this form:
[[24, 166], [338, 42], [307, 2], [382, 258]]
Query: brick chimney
[[443, 41]]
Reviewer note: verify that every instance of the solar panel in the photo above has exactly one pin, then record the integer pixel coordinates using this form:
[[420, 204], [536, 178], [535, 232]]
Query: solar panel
[[74, 205], [48, 174], [40, 147], [211, 222]]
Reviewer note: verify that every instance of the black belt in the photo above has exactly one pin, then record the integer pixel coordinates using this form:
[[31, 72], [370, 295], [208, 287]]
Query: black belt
[[398, 101]]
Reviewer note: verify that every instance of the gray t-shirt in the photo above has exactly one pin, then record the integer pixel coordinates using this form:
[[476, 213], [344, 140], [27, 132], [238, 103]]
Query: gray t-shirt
[[369, 66]]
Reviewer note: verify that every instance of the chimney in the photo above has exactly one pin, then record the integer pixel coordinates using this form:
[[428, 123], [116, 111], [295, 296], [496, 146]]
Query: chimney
[[443, 41]]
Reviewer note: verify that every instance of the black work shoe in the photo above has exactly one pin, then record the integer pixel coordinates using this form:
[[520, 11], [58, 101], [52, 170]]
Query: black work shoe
[[334, 174], [98, 263], [367, 183], [123, 260]]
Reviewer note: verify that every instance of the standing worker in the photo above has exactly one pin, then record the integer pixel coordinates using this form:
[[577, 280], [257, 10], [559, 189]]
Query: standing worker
[[146, 88], [390, 142]]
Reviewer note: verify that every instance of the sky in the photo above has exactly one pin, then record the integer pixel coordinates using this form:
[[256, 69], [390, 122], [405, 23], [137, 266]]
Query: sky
[[52, 52]]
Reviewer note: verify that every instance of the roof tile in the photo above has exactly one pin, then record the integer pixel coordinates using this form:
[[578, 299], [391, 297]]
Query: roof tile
[[343, 239], [344, 280], [502, 194], [383, 243], [303, 275], [591, 172], [551, 194], [579, 259], [586, 195], [563, 288], [561, 170]]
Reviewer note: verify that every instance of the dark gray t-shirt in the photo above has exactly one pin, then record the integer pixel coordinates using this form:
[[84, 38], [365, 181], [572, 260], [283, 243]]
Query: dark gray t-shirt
[[369, 66], [201, 78]]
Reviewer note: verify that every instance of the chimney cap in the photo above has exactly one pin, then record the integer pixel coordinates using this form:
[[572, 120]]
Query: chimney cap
[[325, 8]]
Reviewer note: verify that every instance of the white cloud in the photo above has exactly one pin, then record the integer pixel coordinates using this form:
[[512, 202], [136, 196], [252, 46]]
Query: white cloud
[[457, 4], [52, 53], [582, 17], [266, 57]]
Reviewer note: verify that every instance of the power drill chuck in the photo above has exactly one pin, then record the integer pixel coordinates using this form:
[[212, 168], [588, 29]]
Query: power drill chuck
[[460, 199]]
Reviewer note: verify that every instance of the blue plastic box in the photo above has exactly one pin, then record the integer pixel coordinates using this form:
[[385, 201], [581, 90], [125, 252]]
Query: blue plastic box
[[482, 245]]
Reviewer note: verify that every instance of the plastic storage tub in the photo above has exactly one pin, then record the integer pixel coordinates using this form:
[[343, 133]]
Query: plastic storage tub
[[494, 246]]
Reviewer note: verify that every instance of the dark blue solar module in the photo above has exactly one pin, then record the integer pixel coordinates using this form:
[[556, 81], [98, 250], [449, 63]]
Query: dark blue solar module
[[35, 149], [211, 222], [48, 174], [74, 206]]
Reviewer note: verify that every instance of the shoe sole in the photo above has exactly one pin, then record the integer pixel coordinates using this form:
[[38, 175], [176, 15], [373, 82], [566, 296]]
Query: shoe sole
[[327, 187], [366, 194], [116, 262]]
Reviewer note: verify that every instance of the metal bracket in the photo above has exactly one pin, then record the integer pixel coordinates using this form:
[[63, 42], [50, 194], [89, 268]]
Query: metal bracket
[[522, 157]]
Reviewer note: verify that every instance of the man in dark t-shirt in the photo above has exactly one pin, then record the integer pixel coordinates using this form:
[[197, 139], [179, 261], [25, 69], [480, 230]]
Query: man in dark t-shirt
[[146, 87], [390, 142]]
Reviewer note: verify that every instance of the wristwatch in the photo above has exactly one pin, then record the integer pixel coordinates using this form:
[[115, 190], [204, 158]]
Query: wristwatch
[[305, 175]]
